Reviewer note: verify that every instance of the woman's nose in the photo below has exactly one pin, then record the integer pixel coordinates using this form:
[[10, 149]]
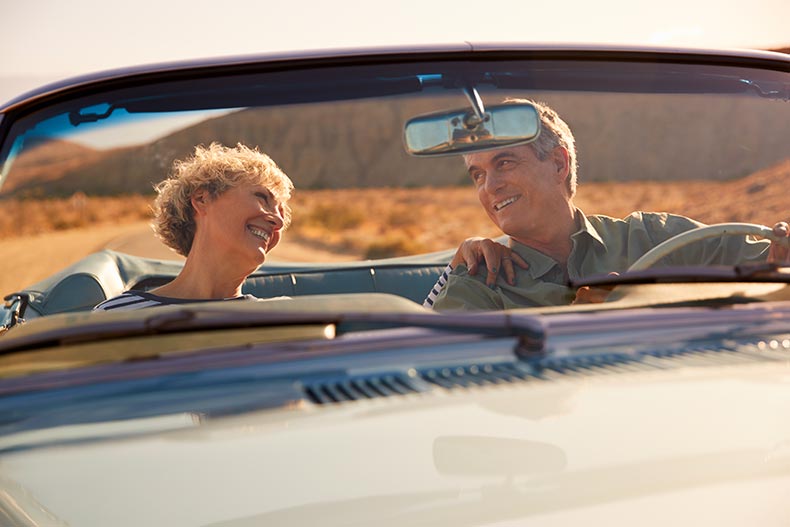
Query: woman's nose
[[275, 218]]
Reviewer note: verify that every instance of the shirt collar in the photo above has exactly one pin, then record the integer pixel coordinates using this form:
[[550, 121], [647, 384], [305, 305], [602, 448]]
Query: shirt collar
[[587, 227]]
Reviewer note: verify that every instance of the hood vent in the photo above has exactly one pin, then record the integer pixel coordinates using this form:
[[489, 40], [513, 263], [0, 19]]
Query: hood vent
[[588, 364], [722, 353], [476, 375], [371, 387], [356, 388], [543, 369]]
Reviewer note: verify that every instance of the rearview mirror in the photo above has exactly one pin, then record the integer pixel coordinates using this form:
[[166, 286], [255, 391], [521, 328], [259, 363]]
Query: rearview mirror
[[460, 131]]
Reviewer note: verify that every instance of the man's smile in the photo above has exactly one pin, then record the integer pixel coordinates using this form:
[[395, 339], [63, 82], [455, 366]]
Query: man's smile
[[505, 202]]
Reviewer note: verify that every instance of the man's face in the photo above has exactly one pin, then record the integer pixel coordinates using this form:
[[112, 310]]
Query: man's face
[[521, 194]]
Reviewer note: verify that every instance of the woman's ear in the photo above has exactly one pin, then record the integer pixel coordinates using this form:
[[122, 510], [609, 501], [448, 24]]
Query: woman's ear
[[199, 200]]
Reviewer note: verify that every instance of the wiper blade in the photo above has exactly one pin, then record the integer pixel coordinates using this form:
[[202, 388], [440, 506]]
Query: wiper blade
[[757, 272], [169, 320], [487, 323]]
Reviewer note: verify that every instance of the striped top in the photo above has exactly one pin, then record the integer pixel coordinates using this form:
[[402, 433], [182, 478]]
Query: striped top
[[437, 287], [140, 299]]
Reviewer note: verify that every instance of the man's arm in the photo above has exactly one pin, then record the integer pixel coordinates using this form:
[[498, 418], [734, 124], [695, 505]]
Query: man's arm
[[496, 257], [780, 249]]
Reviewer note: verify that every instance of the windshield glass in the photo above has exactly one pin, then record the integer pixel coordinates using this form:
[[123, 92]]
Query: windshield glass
[[650, 149]]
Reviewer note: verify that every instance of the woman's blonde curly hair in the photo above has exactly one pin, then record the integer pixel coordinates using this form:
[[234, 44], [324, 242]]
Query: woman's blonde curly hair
[[215, 169]]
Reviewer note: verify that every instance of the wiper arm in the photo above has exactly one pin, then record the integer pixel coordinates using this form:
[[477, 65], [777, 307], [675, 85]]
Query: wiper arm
[[753, 272]]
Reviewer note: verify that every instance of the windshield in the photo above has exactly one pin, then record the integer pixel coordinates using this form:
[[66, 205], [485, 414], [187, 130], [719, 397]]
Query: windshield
[[655, 149]]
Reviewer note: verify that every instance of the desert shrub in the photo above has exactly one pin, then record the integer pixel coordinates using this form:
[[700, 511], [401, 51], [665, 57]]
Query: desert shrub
[[394, 245], [331, 216], [26, 217], [404, 217]]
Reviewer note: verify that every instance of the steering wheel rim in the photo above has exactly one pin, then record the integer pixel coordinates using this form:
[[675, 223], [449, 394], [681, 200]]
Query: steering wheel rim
[[694, 235]]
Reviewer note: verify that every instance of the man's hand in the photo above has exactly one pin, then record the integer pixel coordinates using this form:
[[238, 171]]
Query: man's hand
[[780, 249], [593, 295], [494, 255]]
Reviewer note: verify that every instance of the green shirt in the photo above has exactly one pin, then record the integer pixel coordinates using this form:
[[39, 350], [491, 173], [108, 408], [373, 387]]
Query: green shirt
[[601, 245]]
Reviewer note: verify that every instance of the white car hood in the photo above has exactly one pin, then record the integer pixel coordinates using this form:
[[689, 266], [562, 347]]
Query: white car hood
[[686, 446]]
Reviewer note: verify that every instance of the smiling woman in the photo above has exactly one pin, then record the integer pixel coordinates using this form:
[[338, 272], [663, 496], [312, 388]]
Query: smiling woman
[[223, 209]]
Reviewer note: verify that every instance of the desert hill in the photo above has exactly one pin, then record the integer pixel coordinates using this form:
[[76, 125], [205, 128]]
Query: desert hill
[[757, 198], [359, 145], [50, 161]]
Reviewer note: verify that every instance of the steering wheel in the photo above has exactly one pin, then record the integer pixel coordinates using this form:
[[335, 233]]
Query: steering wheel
[[711, 231]]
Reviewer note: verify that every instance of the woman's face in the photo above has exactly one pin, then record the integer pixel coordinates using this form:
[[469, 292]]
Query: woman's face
[[241, 225]]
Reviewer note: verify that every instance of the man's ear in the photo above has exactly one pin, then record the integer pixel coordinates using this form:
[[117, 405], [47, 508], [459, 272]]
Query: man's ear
[[200, 199], [561, 160]]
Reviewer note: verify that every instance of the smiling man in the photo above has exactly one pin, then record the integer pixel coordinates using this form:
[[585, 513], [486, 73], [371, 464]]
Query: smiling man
[[528, 191]]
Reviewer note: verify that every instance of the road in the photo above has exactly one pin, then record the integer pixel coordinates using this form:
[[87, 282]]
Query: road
[[25, 261]]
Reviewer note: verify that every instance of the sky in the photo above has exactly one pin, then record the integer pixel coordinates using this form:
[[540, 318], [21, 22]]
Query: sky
[[47, 40]]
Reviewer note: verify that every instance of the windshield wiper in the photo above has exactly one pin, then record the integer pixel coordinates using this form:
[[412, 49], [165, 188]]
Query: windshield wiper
[[169, 320], [753, 272]]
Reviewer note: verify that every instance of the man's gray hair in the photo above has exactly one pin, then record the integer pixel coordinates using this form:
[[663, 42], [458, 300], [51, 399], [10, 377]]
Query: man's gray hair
[[554, 132]]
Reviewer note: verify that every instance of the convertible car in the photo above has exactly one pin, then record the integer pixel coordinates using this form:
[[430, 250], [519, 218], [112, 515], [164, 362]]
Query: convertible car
[[342, 397]]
